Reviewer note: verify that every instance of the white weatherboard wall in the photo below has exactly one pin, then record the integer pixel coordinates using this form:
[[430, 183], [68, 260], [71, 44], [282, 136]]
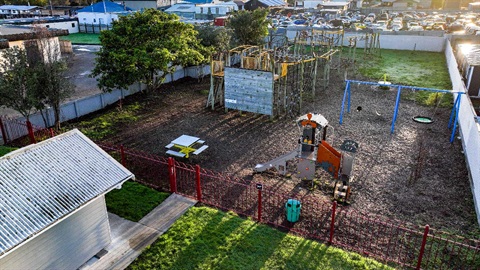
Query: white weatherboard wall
[[68, 244], [249, 90], [469, 129]]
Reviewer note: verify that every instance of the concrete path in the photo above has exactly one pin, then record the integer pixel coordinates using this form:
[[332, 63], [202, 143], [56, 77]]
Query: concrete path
[[130, 238]]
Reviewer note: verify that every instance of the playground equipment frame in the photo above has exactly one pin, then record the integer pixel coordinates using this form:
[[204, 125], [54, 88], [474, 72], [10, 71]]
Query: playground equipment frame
[[453, 115]]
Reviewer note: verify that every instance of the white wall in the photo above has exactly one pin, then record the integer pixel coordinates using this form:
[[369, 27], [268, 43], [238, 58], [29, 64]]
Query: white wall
[[389, 41], [68, 244], [96, 17], [71, 26], [469, 129]]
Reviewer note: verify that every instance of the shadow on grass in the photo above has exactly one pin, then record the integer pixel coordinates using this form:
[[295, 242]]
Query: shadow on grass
[[206, 238]]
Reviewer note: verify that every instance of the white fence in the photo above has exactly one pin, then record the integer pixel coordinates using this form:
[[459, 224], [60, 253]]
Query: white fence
[[468, 127]]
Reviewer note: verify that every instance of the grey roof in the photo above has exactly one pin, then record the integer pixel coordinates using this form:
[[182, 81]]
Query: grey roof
[[21, 8], [43, 183], [471, 52], [273, 3]]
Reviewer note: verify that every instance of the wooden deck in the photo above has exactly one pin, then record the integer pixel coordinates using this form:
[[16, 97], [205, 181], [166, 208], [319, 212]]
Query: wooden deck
[[130, 238]]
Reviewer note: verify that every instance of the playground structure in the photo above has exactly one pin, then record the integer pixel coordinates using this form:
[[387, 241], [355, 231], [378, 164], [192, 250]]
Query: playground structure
[[269, 79], [313, 151], [452, 123]]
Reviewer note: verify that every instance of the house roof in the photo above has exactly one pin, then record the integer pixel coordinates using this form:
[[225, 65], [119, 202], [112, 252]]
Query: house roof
[[273, 3], [101, 6], [45, 182], [181, 8], [21, 8], [197, 1]]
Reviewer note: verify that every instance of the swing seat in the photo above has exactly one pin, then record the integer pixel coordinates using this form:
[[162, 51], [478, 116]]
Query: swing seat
[[422, 119]]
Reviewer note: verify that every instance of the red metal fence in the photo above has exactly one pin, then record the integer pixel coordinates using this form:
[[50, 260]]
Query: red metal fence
[[380, 238], [18, 133]]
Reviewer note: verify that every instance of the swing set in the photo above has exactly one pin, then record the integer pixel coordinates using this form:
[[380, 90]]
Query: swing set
[[421, 119]]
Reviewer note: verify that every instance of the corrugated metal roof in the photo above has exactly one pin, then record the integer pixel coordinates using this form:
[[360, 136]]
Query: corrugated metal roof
[[101, 6], [273, 3], [42, 183], [21, 8], [471, 52]]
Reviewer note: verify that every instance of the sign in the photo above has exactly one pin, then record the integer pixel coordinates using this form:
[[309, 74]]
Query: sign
[[259, 186]]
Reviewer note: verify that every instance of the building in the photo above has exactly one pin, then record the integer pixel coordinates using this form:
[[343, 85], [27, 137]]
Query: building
[[211, 11], [64, 23], [184, 10], [26, 38], [52, 202], [144, 4], [102, 13], [14, 11], [254, 4]]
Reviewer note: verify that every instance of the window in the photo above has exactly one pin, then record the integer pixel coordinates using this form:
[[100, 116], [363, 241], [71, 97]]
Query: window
[[94, 20], [73, 25], [217, 10], [48, 26]]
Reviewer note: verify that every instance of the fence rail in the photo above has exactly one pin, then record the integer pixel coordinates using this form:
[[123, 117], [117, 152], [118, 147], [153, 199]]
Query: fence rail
[[383, 239]]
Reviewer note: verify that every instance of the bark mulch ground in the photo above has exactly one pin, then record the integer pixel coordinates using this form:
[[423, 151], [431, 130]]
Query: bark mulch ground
[[414, 175]]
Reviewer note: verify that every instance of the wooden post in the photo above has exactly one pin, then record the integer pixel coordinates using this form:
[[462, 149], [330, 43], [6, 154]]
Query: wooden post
[[422, 248], [199, 187], [31, 135], [4, 133]]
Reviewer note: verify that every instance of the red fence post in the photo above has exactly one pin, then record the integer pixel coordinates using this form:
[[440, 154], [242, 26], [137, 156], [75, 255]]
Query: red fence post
[[52, 133], [30, 132], [122, 154], [173, 175], [422, 248], [332, 224], [259, 205], [4, 133], [197, 178]]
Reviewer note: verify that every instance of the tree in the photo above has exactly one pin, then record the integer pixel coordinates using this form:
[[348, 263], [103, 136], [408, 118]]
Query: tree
[[249, 27], [18, 82], [49, 67], [145, 47], [216, 37]]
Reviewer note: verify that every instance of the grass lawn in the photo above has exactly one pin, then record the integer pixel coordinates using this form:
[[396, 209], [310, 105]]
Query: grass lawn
[[5, 149], [206, 238], [107, 122], [82, 38], [133, 201], [415, 68]]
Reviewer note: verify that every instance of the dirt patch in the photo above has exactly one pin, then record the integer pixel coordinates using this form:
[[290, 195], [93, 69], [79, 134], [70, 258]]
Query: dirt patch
[[413, 175]]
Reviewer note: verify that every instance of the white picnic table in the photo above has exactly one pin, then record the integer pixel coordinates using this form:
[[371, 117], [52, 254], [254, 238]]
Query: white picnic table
[[184, 145]]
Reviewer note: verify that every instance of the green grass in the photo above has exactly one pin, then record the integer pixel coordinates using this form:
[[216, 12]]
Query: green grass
[[414, 68], [206, 238], [5, 149], [133, 201], [82, 38], [107, 123]]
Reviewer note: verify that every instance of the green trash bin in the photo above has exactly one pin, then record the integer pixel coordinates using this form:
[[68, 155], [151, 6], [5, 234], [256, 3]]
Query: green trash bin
[[292, 210]]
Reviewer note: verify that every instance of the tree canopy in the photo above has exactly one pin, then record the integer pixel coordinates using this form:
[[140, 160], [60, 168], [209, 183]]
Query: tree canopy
[[18, 82], [145, 47], [249, 27]]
